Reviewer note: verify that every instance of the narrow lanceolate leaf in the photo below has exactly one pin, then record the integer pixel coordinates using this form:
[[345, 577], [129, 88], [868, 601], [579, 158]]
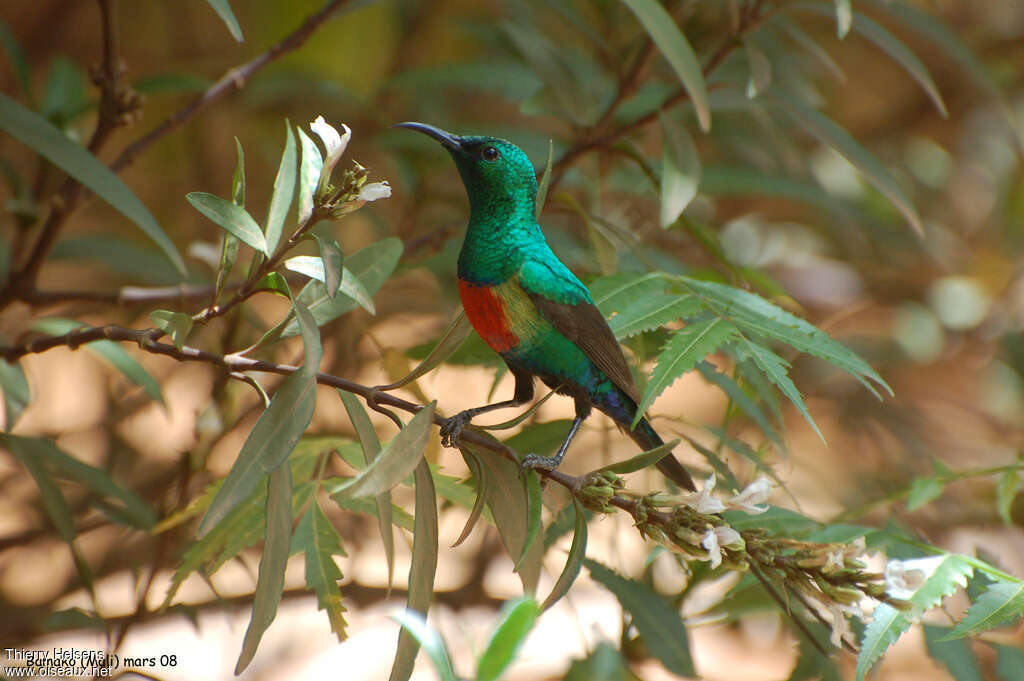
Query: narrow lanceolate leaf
[[666, 35], [317, 538], [395, 463], [687, 347], [309, 174], [371, 450], [545, 179], [342, 278], [110, 351], [844, 17], [515, 621], [332, 259], [422, 569], [18, 60], [238, 179], [533, 512], [418, 628], [776, 370], [574, 561], [234, 219], [760, 70], [276, 432], [653, 311], [284, 190], [276, 549], [954, 654], [1001, 604], [452, 337], [887, 624], [223, 10], [829, 133], [477, 469], [680, 170], [641, 460], [41, 136], [659, 624], [176, 324], [53, 500], [1009, 486], [16, 392]]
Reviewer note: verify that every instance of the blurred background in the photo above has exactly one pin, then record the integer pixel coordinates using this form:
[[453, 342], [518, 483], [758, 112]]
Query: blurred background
[[940, 316]]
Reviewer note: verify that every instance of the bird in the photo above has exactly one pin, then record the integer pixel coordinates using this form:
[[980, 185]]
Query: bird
[[529, 307]]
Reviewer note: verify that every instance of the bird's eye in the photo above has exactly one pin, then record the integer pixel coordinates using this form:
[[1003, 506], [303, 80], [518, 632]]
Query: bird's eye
[[490, 153]]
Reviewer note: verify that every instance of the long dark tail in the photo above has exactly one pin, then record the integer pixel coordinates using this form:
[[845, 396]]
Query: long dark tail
[[645, 436]]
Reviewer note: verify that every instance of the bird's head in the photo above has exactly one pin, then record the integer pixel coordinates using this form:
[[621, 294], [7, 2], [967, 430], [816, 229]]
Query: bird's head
[[491, 168]]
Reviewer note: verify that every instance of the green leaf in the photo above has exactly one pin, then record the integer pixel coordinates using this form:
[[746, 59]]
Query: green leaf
[[284, 191], [844, 17], [371, 450], [395, 463], [531, 481], [680, 170], [956, 655], [776, 370], [653, 311], [658, 623], [619, 292], [605, 663], [223, 10], [234, 219], [238, 179], [276, 549], [177, 324], [922, 491], [421, 571], [313, 267], [944, 575], [457, 331], [16, 56], [682, 352], [425, 635], [741, 399], [53, 500], [760, 70], [333, 259], [1009, 486], [515, 621], [477, 470], [1010, 665], [276, 432], [642, 460], [371, 266], [309, 174], [1000, 604], [545, 180], [16, 393], [662, 29], [832, 135], [317, 538], [38, 134], [574, 561], [887, 624]]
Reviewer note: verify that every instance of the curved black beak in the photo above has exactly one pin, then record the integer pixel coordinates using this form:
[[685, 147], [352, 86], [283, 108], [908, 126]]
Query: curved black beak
[[446, 138]]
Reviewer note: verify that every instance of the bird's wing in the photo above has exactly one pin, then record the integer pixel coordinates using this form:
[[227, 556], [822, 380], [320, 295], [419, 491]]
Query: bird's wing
[[565, 302]]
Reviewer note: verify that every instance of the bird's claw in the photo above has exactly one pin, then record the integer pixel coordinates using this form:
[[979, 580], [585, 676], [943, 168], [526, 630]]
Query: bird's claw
[[536, 461], [452, 427]]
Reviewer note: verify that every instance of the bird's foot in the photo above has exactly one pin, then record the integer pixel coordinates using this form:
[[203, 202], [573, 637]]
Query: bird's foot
[[535, 461], [452, 427]]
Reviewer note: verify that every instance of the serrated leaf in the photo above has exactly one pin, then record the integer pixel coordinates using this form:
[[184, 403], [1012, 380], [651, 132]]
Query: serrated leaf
[[760, 70], [680, 170], [276, 432], [309, 174], [223, 10], [956, 655], [1000, 604], [829, 133], [395, 463], [238, 179], [887, 624], [671, 42], [573, 562], [371, 266], [658, 623], [545, 180], [776, 370], [425, 635], [653, 311], [531, 482], [421, 571], [176, 324], [42, 137], [619, 292], [317, 538], [233, 219], [284, 191], [371, 450], [922, 491], [515, 621], [16, 393], [276, 549], [682, 352], [944, 575], [741, 399]]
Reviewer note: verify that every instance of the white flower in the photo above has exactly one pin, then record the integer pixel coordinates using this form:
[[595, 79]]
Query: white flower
[[374, 191], [702, 501], [710, 543], [755, 493], [333, 142], [904, 577]]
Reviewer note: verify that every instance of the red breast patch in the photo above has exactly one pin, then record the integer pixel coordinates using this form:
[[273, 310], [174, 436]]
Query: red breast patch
[[486, 313]]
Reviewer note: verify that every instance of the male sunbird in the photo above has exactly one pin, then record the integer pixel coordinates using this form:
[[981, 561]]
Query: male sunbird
[[527, 305]]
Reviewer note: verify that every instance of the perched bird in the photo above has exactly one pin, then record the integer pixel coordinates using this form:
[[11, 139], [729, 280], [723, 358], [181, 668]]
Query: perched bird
[[527, 305]]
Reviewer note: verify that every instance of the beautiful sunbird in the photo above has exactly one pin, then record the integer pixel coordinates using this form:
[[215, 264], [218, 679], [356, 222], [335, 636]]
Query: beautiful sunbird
[[527, 305]]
